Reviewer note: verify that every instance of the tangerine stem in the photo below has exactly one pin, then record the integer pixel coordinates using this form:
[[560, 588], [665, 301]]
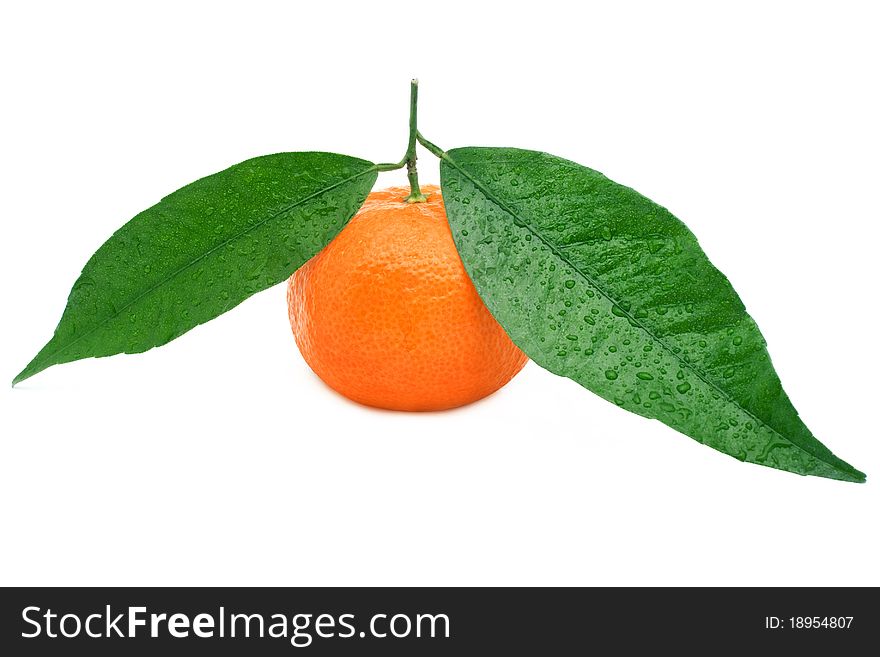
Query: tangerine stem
[[432, 148], [415, 193], [390, 166]]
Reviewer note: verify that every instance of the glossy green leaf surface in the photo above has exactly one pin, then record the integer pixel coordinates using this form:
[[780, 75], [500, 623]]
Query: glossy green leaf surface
[[597, 283], [203, 250]]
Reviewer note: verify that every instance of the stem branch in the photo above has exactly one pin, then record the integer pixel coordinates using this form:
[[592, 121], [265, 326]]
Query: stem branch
[[390, 166], [432, 148], [409, 159], [415, 193]]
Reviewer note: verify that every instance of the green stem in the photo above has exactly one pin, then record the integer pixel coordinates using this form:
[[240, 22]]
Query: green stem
[[390, 166], [433, 148], [409, 159], [415, 193]]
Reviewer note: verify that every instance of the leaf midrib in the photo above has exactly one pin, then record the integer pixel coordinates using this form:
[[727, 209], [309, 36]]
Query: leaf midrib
[[527, 224], [192, 263]]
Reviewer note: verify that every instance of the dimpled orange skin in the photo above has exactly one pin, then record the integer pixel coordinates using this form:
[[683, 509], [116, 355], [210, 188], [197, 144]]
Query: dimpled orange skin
[[387, 316]]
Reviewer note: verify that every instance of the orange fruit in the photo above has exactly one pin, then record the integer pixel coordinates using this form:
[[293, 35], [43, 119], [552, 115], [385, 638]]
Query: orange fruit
[[386, 315]]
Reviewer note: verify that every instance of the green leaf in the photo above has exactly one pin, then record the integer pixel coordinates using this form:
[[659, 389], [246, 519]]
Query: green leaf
[[599, 284], [203, 250]]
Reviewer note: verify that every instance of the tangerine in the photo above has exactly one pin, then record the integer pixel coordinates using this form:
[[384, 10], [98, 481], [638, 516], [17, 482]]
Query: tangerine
[[387, 316]]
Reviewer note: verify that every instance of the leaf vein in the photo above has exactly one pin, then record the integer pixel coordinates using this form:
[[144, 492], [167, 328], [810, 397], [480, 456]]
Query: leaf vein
[[632, 319], [192, 263]]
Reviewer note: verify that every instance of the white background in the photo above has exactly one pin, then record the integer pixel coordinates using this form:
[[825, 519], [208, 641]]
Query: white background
[[221, 459]]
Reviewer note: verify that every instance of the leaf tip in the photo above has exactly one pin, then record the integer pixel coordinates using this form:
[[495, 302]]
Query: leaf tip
[[31, 369], [852, 473], [859, 477], [845, 472], [21, 376]]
